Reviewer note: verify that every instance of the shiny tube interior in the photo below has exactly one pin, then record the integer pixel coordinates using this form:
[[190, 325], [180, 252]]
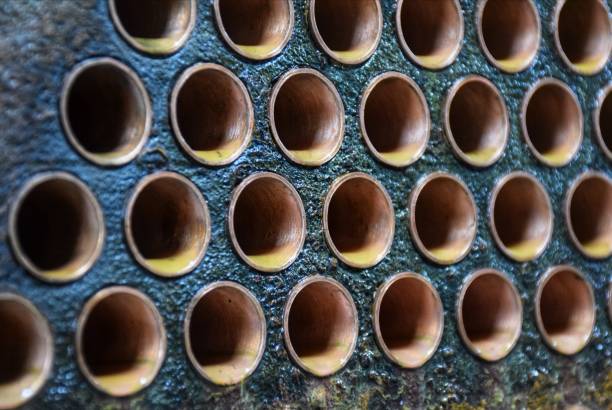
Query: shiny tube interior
[[566, 311], [360, 221], [431, 31], [322, 328], [590, 215], [257, 29], [227, 333], [214, 115], [491, 315], [522, 217], [410, 321], [584, 35], [510, 33], [268, 223], [396, 120]]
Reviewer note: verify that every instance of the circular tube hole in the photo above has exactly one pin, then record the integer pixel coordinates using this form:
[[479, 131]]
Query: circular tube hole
[[583, 35], [443, 218], [255, 29], [106, 111], [408, 319], [26, 350], [395, 119], [509, 33], [358, 220], [521, 216], [552, 122], [347, 30], [225, 333], [603, 121], [489, 314], [56, 227], [211, 114], [565, 309], [476, 121], [430, 32], [589, 214], [267, 222], [320, 325], [167, 224], [120, 341], [159, 29], [307, 117]]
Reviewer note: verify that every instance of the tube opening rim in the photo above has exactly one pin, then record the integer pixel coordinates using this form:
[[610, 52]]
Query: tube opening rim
[[604, 95]]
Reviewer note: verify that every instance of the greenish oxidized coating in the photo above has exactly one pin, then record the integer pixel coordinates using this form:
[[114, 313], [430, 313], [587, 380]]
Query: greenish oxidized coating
[[40, 41]]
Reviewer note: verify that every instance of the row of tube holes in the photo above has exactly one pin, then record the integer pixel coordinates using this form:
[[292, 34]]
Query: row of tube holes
[[57, 229]]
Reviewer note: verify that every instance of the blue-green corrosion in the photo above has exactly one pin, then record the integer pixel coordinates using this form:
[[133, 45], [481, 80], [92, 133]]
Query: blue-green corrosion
[[39, 43]]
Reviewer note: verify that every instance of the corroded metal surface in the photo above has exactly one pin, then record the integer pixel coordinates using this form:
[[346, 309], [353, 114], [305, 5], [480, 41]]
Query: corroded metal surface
[[40, 41]]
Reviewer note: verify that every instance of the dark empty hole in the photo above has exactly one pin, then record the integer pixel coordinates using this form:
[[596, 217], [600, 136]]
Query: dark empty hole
[[359, 216], [553, 120], [489, 310], [445, 216], [521, 213], [166, 219], [120, 335], [395, 116], [591, 211], [307, 114], [605, 120], [212, 110], [225, 330], [347, 25], [255, 22], [510, 29], [566, 308], [106, 111], [431, 28], [477, 118], [154, 19], [267, 217], [20, 342], [409, 318], [584, 32], [56, 225], [321, 323]]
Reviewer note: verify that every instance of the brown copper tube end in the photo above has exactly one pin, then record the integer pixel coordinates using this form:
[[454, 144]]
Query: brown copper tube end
[[320, 325], [255, 29], [225, 333], [430, 32], [56, 227], [408, 319], [167, 225], [347, 30], [267, 222], [358, 220], [105, 111], [443, 218], [120, 341], [394, 119], [159, 29], [476, 121], [306, 117], [211, 114], [583, 34], [521, 216], [27, 350], [565, 309], [602, 121], [588, 214], [552, 122], [489, 314], [509, 33]]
